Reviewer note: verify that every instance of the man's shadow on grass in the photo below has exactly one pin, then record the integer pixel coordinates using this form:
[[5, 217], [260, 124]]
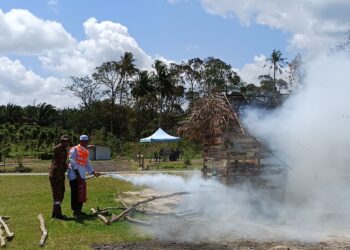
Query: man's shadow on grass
[[82, 219]]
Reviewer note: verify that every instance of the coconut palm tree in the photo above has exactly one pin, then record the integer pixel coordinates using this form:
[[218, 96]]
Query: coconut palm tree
[[163, 84], [115, 77], [277, 62], [127, 70]]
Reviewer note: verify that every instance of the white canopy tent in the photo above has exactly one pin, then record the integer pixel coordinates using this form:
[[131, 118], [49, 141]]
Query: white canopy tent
[[160, 136]]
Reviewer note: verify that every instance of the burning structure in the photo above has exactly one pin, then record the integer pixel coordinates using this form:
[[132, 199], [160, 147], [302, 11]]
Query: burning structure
[[230, 152]]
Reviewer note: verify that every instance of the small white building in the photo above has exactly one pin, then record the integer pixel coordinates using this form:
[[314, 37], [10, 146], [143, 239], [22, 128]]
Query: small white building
[[99, 152]]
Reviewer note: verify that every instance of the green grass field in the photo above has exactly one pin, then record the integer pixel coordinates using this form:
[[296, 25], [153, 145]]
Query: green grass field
[[24, 197], [34, 165]]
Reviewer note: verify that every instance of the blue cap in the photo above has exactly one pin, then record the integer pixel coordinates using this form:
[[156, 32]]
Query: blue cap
[[84, 138]]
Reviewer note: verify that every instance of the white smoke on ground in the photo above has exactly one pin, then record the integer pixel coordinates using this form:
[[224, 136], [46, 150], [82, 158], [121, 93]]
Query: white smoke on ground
[[224, 213], [221, 209], [310, 132]]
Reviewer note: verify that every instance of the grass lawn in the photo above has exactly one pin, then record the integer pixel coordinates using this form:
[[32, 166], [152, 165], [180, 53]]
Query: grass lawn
[[34, 165], [43, 166], [24, 197]]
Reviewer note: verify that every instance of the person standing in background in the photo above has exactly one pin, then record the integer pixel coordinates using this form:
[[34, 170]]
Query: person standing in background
[[58, 169]]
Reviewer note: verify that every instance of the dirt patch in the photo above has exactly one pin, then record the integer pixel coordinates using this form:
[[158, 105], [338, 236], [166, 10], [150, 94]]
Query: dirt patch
[[239, 244]]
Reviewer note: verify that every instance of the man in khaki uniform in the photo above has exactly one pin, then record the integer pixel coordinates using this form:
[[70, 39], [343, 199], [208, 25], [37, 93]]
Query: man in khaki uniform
[[57, 176]]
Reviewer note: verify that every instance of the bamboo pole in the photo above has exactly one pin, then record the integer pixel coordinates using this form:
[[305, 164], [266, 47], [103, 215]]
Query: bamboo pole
[[2, 239], [100, 216], [143, 223], [10, 234], [43, 230]]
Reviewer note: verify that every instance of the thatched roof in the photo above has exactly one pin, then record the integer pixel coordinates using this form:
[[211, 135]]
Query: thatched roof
[[210, 116]]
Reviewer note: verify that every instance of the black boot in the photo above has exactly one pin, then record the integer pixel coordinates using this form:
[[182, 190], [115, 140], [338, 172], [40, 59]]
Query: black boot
[[53, 212], [57, 212], [77, 214]]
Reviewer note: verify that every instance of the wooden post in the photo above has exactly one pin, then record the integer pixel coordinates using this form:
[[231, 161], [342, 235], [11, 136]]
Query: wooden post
[[139, 159], [142, 162]]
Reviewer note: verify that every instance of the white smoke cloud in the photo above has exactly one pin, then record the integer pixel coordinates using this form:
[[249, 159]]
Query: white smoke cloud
[[310, 132]]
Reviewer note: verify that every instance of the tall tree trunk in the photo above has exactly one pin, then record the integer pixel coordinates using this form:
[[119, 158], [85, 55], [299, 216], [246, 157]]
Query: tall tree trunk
[[192, 97], [274, 80], [160, 110], [112, 114]]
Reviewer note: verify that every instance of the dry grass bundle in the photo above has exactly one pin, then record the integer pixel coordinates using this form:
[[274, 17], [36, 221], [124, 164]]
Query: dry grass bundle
[[210, 117]]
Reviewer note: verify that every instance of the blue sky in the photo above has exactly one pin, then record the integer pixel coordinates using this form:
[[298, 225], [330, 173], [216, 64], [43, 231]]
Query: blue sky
[[49, 40]]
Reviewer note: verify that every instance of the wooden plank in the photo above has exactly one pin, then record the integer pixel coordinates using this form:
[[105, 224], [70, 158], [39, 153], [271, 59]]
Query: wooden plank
[[241, 151], [239, 144], [215, 147], [272, 166], [216, 140], [241, 140], [239, 158], [237, 149]]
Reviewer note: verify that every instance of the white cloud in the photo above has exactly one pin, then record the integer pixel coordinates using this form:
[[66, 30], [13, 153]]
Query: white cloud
[[192, 47], [105, 41], [23, 33], [52, 2], [176, 1], [22, 86], [314, 25], [251, 71]]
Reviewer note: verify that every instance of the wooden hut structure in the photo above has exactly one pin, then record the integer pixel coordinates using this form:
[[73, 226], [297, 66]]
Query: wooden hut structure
[[229, 151]]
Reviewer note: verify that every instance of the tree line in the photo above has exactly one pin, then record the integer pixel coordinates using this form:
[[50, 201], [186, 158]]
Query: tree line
[[120, 102]]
